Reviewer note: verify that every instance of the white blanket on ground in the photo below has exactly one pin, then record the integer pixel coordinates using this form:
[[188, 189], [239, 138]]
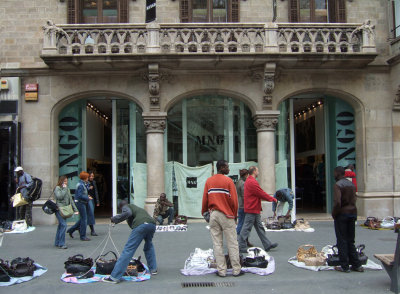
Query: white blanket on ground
[[309, 230], [328, 250], [29, 229], [197, 265], [37, 273], [172, 228]]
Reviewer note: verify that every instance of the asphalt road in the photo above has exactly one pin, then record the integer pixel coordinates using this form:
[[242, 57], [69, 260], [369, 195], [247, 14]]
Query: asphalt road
[[172, 249]]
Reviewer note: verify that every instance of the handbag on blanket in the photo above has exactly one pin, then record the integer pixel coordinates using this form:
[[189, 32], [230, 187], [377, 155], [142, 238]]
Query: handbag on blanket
[[318, 260], [181, 220], [300, 224], [77, 265], [388, 222], [305, 251], [256, 258], [135, 266], [19, 225], [105, 266], [66, 211], [287, 224], [272, 224], [22, 267], [18, 200], [372, 223], [333, 259], [4, 271], [361, 255]]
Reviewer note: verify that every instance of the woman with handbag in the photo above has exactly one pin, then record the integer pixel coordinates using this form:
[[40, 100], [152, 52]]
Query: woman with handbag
[[81, 201], [93, 193], [63, 199]]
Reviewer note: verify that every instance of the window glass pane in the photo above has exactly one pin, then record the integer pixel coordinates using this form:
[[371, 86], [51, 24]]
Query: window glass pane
[[90, 11], [174, 132], [123, 149], [321, 11], [250, 135], [305, 10], [220, 11], [110, 11], [199, 13]]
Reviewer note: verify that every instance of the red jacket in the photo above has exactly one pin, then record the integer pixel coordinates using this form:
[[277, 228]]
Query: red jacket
[[220, 194], [351, 175], [253, 195]]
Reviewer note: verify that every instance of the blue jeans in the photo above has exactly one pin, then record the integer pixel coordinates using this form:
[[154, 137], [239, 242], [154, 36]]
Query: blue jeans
[[90, 213], [62, 227], [82, 222], [240, 220], [168, 214], [143, 232]]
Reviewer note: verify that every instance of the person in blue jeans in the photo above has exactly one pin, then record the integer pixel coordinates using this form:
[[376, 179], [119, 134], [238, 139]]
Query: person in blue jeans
[[244, 173], [143, 228], [81, 201], [63, 198]]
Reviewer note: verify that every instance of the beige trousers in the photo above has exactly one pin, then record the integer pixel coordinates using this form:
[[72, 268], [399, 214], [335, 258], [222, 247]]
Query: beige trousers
[[220, 225]]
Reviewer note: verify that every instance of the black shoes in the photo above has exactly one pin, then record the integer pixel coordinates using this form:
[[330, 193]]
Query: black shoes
[[93, 233], [359, 269], [249, 244], [342, 270], [273, 245], [241, 273], [85, 239], [70, 234]]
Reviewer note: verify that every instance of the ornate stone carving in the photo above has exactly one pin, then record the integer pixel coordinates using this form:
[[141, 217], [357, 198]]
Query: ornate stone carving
[[265, 123], [154, 125], [267, 99], [269, 83]]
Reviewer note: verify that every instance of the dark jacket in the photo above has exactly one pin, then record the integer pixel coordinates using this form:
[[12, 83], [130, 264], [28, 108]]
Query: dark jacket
[[81, 193], [344, 201], [93, 192]]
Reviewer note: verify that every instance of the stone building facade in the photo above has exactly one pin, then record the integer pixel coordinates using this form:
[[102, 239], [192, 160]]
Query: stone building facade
[[267, 66]]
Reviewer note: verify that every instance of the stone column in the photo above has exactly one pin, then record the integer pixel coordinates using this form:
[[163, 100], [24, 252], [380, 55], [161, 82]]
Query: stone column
[[154, 124], [265, 122]]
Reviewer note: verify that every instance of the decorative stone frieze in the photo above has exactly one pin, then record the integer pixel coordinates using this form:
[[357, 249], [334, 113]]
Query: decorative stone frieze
[[269, 82], [154, 123]]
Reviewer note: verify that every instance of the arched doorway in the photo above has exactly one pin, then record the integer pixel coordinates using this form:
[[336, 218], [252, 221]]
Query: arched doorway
[[103, 134], [315, 133]]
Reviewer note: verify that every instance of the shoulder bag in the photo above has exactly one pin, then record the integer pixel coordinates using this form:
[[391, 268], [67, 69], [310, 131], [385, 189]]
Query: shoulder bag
[[105, 266], [77, 265], [361, 255], [333, 259], [66, 211], [49, 207], [134, 268], [35, 191]]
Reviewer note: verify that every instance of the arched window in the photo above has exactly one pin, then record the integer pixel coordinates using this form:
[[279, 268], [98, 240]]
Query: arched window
[[97, 11], [323, 11], [202, 11]]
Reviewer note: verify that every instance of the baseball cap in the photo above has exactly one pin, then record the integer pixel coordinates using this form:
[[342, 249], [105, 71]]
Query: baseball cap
[[18, 168]]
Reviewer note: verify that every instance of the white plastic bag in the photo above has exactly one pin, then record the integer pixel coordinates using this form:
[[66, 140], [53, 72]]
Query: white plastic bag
[[19, 225]]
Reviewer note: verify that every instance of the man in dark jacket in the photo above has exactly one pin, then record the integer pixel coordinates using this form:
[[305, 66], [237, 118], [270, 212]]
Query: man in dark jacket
[[143, 228], [344, 213], [253, 194]]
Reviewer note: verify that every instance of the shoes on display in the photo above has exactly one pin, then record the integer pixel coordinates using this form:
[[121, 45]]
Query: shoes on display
[[241, 273], [340, 269], [109, 280], [273, 245]]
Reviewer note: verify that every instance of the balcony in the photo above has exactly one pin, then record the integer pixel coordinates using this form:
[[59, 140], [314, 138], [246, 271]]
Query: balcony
[[201, 45]]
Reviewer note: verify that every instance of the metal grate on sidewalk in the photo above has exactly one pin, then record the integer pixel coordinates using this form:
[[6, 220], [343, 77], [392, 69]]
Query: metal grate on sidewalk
[[207, 284]]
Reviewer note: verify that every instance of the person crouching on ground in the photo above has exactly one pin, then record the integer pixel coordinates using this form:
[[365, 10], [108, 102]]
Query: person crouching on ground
[[252, 208], [344, 213], [143, 228], [163, 209], [283, 195], [220, 199]]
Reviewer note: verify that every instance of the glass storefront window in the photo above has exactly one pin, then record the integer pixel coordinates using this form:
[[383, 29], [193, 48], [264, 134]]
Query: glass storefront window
[[100, 11], [206, 128], [220, 11], [200, 11]]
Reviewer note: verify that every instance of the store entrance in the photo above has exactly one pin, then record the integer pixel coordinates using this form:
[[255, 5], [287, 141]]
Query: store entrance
[[315, 134]]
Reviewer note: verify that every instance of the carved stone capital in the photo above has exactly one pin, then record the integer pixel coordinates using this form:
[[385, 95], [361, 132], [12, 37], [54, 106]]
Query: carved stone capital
[[154, 123], [266, 121], [267, 100]]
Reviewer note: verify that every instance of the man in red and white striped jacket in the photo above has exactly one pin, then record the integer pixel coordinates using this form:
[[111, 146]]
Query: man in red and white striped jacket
[[220, 199]]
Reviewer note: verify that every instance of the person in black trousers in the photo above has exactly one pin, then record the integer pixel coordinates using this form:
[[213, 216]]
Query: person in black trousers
[[344, 213]]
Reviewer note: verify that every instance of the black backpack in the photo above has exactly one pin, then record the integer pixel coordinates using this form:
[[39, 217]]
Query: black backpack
[[35, 190]]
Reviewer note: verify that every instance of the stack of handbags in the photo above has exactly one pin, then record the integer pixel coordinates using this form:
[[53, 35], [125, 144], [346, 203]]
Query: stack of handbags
[[388, 222], [300, 224], [334, 260], [78, 266], [310, 256], [256, 258], [18, 267], [180, 220], [372, 223], [272, 224], [105, 266], [135, 267]]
